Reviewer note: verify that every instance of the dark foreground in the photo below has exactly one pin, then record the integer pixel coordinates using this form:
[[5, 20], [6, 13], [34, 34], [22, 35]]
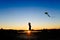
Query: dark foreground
[[53, 34]]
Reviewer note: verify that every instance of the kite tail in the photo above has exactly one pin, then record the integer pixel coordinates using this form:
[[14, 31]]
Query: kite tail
[[49, 16]]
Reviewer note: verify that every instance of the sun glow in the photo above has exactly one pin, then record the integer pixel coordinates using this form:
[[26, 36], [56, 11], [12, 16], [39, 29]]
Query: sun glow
[[28, 32]]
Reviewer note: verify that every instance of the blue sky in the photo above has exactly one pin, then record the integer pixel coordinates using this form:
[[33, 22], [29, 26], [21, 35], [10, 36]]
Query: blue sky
[[16, 14]]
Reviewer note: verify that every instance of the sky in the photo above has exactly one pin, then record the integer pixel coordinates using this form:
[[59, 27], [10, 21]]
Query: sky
[[15, 14]]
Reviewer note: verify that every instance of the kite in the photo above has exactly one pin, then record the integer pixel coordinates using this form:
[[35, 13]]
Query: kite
[[47, 14]]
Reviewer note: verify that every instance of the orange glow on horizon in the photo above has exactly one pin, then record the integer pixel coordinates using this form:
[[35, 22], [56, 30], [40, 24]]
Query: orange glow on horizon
[[25, 27]]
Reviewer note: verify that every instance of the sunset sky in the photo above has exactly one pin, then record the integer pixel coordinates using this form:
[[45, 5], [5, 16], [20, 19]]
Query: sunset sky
[[15, 14]]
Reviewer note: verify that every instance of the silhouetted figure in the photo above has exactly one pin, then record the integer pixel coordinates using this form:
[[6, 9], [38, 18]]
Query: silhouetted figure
[[29, 25]]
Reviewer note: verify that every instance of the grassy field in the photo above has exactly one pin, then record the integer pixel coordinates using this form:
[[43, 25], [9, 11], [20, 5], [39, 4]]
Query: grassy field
[[52, 34]]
